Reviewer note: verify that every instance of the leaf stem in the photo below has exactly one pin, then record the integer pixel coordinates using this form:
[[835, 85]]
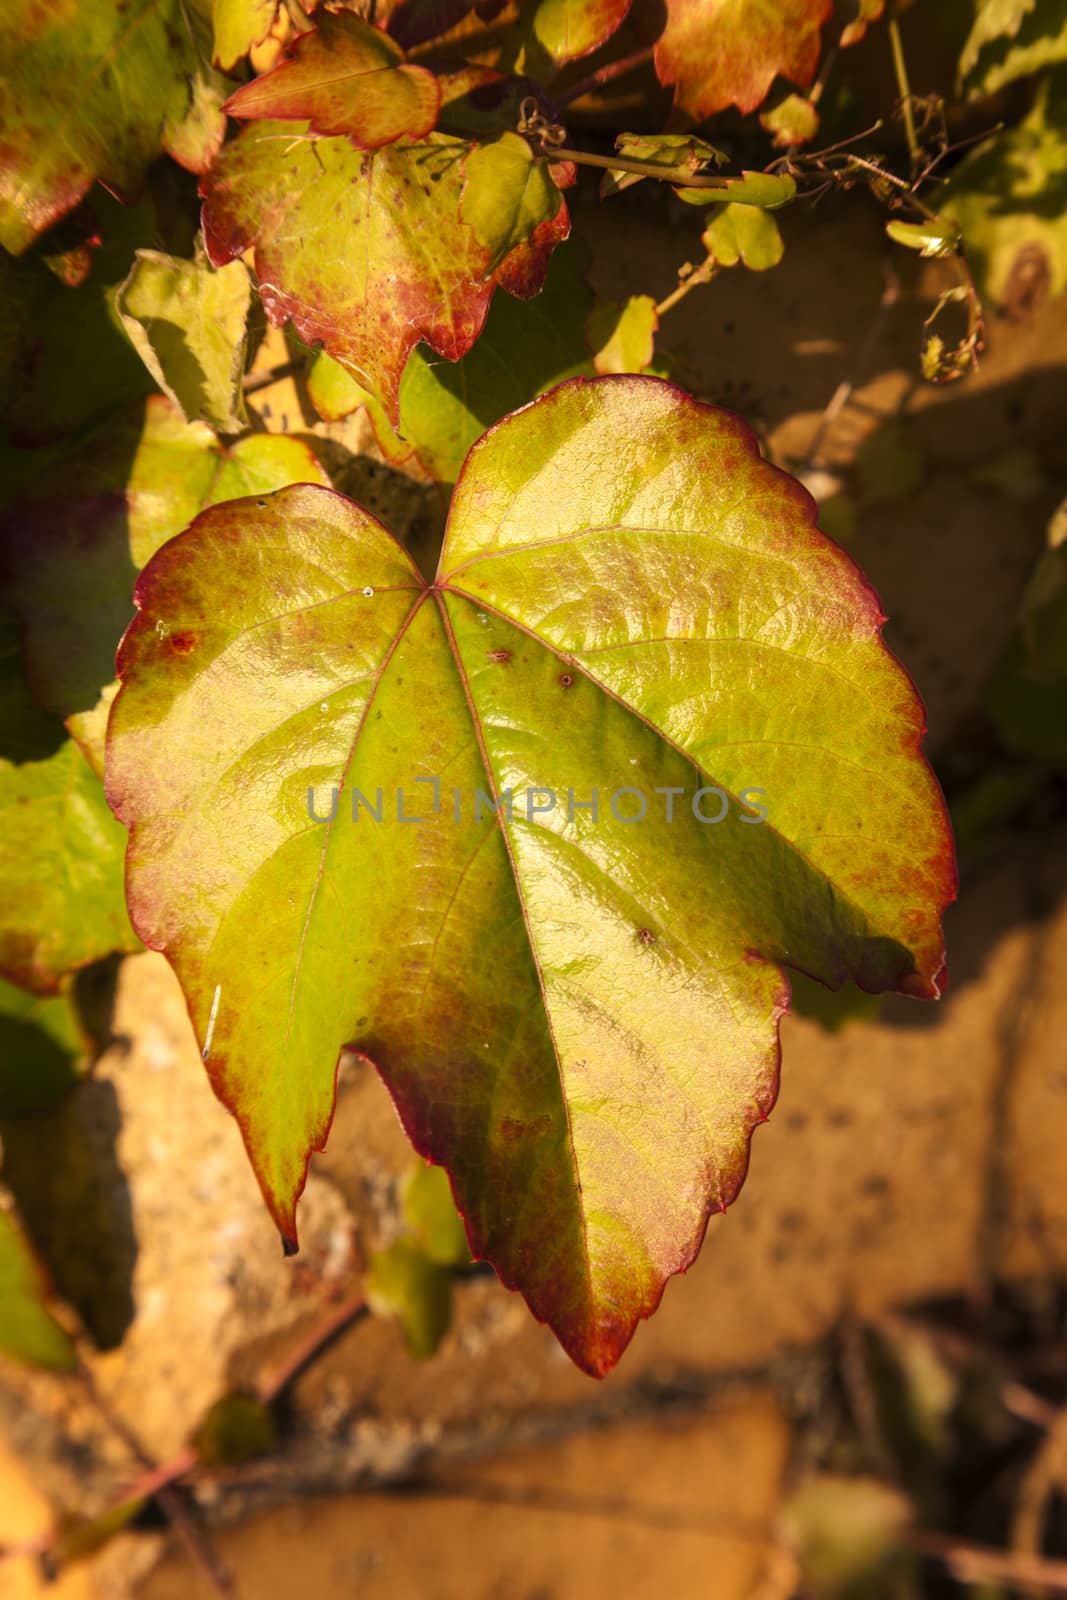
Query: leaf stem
[[904, 89], [702, 274]]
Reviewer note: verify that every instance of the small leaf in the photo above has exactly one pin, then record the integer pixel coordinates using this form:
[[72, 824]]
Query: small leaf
[[792, 121], [719, 53], [238, 1428], [61, 883], [194, 136], [567, 29], [28, 1331], [239, 26], [769, 191], [365, 253], [622, 338], [188, 323], [680, 152], [404, 1283], [1012, 39], [430, 1212], [744, 233], [937, 237], [507, 193], [576, 1016], [345, 77]]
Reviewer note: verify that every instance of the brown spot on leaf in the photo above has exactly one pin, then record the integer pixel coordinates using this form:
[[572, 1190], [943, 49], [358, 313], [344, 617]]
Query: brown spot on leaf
[[1028, 283], [646, 936], [183, 643], [566, 680], [501, 657]]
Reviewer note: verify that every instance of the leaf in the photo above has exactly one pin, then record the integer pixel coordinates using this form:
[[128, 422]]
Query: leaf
[[41, 1042], [61, 890], [845, 1533], [792, 121], [366, 254], [564, 30], [194, 136], [403, 1282], [75, 541], [680, 152], [28, 1331], [238, 1428], [622, 338], [89, 89], [239, 26], [937, 236], [718, 53], [508, 192], [576, 1016], [743, 233], [446, 406], [345, 77], [189, 325], [430, 1213], [1012, 39], [1009, 200], [767, 190]]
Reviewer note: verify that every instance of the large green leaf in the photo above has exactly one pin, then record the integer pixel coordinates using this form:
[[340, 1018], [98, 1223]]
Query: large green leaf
[[28, 1331], [90, 89], [366, 252], [61, 890], [575, 1012], [42, 1040], [718, 53]]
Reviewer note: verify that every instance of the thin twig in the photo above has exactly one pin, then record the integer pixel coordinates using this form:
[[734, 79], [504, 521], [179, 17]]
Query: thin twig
[[171, 1502], [844, 391], [596, 80], [346, 1315], [263, 380], [681, 176], [702, 274], [980, 1565]]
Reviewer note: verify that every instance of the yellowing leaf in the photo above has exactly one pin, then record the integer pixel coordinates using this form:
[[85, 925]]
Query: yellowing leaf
[[345, 77], [744, 233], [718, 53], [239, 26], [622, 338], [792, 121], [365, 253], [403, 1282], [188, 323], [573, 999]]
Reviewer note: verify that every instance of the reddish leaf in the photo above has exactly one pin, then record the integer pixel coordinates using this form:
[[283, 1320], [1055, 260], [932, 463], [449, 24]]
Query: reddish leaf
[[365, 253], [345, 77], [575, 1016], [728, 52]]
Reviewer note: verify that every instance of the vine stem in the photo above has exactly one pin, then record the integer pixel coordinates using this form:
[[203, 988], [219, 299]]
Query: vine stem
[[900, 68], [679, 176]]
